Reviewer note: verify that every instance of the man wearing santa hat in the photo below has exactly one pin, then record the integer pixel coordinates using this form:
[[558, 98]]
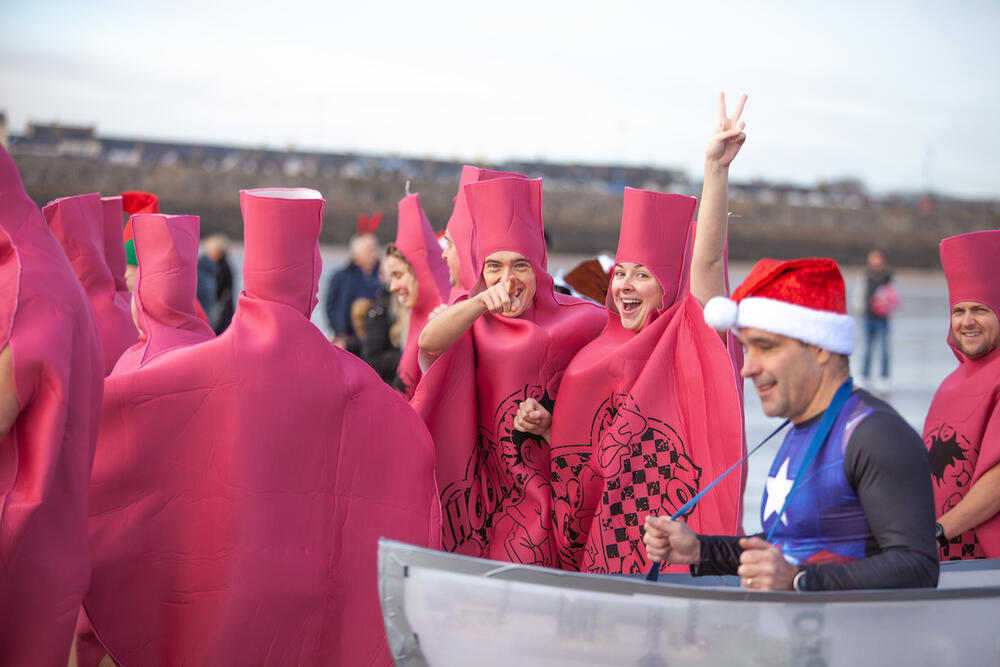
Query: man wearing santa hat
[[846, 504], [962, 429]]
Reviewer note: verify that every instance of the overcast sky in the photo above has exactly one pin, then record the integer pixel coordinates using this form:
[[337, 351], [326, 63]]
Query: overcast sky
[[899, 94]]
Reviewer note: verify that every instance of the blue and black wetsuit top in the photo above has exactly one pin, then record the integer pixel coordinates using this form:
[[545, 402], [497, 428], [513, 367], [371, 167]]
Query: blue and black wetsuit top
[[863, 517]]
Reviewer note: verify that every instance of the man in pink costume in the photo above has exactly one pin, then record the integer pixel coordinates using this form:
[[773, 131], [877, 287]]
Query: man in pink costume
[[509, 339], [650, 412], [962, 429], [166, 247], [424, 289], [79, 224], [458, 231], [50, 403], [241, 484]]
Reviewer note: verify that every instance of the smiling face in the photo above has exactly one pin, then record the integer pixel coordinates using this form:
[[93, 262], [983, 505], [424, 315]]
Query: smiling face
[[515, 268], [786, 373], [450, 255], [975, 328], [402, 282], [636, 294]]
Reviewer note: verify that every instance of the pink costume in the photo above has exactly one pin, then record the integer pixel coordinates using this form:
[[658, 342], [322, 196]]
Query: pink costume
[[644, 420], [495, 492], [46, 456], [962, 429], [114, 246], [416, 240], [241, 484], [165, 288], [79, 224], [459, 225]]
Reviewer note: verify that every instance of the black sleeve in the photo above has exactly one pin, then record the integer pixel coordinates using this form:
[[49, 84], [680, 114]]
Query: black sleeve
[[720, 555], [886, 464]]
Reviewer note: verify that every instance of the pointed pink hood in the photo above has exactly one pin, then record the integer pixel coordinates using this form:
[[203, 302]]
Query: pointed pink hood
[[416, 240], [962, 429], [459, 226], [114, 246], [45, 458], [493, 479], [165, 287], [251, 475], [79, 224], [644, 420]]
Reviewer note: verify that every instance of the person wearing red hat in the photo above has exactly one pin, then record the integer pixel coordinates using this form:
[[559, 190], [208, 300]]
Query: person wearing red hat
[[847, 503], [962, 429]]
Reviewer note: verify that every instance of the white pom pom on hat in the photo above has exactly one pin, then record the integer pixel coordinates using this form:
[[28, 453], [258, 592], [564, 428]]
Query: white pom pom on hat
[[721, 313]]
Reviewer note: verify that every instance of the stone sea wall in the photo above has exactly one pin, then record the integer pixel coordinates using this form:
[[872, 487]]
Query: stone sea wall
[[579, 218]]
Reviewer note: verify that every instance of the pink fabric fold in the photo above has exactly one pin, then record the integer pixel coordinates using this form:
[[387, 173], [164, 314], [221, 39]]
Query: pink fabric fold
[[79, 224], [962, 429], [495, 491], [165, 288], [644, 420], [459, 225], [241, 484], [45, 458], [114, 246], [415, 239]]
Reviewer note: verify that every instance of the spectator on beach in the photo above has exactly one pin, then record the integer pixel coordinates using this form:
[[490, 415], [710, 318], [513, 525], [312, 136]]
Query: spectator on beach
[[359, 278], [962, 430], [208, 272], [847, 503], [222, 311], [51, 383], [880, 300]]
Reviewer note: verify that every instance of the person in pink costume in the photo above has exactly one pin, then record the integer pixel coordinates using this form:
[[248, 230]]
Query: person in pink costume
[[50, 405], [164, 294], [458, 231], [419, 279], [79, 224], [962, 429], [114, 246], [650, 412], [508, 339], [241, 484]]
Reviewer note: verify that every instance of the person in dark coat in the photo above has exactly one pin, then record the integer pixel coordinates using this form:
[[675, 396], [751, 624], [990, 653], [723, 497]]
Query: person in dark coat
[[224, 306], [359, 279]]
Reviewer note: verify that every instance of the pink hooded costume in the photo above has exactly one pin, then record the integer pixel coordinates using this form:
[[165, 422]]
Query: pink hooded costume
[[459, 225], [165, 288], [494, 481], [962, 429], [46, 456], [242, 483], [644, 420], [416, 240], [79, 224]]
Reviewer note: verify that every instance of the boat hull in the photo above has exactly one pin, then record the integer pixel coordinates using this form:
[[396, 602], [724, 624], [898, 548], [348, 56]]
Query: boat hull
[[441, 609]]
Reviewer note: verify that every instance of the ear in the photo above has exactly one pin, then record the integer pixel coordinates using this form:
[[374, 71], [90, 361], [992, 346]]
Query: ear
[[823, 357]]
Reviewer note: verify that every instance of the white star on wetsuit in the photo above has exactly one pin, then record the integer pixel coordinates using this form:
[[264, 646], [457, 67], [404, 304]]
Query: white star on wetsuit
[[777, 490]]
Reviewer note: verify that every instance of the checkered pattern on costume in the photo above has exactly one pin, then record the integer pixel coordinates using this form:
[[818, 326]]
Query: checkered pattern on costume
[[657, 474]]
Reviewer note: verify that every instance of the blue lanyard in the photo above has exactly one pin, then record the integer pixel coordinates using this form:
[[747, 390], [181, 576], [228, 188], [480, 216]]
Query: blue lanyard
[[826, 424]]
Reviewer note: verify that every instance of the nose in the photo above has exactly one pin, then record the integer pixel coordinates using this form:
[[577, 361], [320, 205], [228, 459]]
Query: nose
[[750, 365]]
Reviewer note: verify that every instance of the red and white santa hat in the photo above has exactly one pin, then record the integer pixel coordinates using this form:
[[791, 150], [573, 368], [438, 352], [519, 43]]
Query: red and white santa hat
[[800, 298]]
